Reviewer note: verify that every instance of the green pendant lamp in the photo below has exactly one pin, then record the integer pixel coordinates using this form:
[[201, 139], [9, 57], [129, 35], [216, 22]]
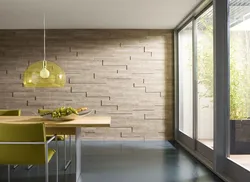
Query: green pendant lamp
[[44, 73]]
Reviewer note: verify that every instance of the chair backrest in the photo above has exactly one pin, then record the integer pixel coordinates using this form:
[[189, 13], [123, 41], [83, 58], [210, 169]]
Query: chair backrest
[[10, 112], [22, 153]]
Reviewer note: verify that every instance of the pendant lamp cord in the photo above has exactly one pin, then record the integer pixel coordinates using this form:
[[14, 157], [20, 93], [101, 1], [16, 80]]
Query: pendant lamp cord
[[44, 43]]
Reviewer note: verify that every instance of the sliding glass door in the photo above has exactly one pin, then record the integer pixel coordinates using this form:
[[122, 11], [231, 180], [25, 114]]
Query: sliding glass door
[[195, 63], [213, 86]]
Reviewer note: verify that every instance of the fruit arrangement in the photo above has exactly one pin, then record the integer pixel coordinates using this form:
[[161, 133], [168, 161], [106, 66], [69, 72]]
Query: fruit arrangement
[[61, 112]]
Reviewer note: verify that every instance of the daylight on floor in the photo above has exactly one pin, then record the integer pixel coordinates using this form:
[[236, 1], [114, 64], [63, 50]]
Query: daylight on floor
[[125, 90]]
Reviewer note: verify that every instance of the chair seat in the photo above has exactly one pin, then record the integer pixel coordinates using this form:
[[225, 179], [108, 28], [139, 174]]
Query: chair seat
[[59, 137], [51, 152]]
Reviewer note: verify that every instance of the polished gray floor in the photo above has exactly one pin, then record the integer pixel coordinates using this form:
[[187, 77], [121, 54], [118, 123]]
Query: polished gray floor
[[122, 162]]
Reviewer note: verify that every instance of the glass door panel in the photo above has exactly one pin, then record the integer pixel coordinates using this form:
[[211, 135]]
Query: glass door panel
[[239, 17], [185, 55], [205, 78]]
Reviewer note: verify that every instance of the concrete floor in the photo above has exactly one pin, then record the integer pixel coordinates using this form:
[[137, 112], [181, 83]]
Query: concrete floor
[[123, 162]]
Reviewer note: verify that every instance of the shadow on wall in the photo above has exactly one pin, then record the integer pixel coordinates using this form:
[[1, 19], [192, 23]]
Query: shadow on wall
[[169, 88]]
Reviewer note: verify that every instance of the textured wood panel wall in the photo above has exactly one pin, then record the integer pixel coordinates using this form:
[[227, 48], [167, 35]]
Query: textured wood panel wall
[[127, 74]]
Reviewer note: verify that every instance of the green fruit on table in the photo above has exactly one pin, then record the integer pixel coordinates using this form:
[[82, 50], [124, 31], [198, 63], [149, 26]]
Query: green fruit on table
[[63, 111]]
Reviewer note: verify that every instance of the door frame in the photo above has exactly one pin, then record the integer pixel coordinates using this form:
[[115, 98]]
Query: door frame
[[191, 143]]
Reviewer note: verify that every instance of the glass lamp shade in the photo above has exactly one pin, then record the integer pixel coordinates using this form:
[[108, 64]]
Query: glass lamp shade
[[37, 76]]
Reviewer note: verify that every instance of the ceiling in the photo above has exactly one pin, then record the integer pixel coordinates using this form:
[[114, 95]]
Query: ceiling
[[94, 14]]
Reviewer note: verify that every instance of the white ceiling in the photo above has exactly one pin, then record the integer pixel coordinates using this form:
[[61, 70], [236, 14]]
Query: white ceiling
[[94, 14]]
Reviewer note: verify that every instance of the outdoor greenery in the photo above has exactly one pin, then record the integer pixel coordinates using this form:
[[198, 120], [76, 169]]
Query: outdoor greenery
[[239, 81]]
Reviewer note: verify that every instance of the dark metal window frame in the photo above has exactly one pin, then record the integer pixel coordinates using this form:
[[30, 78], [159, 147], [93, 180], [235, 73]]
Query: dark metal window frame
[[222, 166]]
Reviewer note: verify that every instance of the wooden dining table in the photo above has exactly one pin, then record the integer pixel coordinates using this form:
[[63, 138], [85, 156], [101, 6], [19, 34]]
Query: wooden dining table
[[65, 128]]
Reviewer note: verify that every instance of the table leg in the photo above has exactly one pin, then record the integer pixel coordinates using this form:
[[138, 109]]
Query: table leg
[[78, 153]]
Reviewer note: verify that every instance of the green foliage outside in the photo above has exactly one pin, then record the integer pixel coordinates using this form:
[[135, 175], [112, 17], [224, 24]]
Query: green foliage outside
[[239, 81]]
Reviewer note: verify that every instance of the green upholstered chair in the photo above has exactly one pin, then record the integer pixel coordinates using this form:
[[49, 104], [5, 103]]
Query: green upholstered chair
[[25, 143], [10, 113], [59, 138]]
